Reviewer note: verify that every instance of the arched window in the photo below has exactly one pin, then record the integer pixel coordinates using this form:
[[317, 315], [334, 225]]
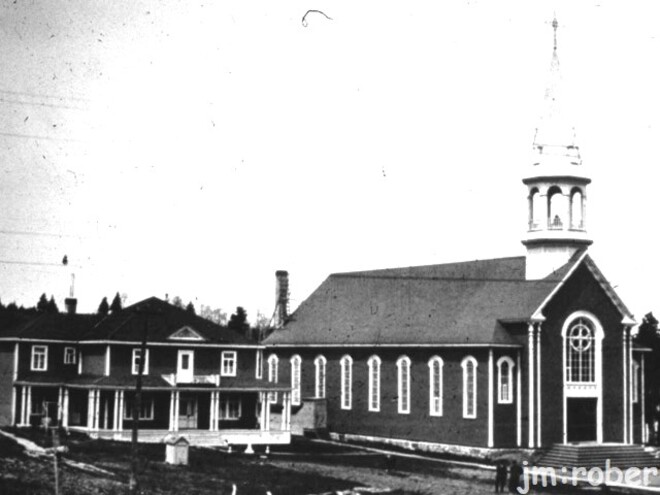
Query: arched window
[[635, 382], [374, 383], [505, 380], [296, 364], [556, 208], [319, 364], [577, 209], [535, 209], [435, 386], [469, 365], [580, 352], [403, 366], [346, 364], [273, 362]]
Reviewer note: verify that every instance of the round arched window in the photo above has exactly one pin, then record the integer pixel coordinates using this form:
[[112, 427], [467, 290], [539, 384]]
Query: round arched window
[[580, 351]]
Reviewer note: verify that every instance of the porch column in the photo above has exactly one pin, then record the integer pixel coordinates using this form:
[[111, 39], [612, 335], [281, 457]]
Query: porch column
[[538, 385], [642, 393], [120, 411], [530, 379], [60, 404], [631, 430], [13, 405], [267, 413], [625, 385], [212, 408], [115, 412], [491, 440], [28, 406], [176, 410], [171, 422], [287, 412], [262, 411], [65, 408], [519, 401], [14, 393], [90, 409], [21, 421]]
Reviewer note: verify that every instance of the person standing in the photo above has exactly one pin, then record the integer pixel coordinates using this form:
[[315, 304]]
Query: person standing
[[500, 476]]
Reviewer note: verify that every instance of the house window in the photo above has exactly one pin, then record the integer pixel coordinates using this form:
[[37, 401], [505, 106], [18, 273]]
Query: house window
[[580, 352], [230, 408], [273, 363], [635, 382], [374, 383], [228, 367], [403, 366], [259, 364], [435, 386], [319, 364], [136, 362], [146, 408], [505, 380], [346, 365], [296, 362], [69, 355], [39, 361], [469, 365]]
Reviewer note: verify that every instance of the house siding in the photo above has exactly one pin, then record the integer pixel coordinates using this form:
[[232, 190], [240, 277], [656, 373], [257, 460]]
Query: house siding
[[6, 371]]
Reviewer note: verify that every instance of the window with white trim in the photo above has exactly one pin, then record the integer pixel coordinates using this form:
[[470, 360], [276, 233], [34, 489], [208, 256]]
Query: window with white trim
[[580, 352], [273, 364], [469, 365], [135, 368], [635, 382], [39, 360], [505, 367], [374, 383], [230, 408], [435, 386], [146, 412], [228, 363], [296, 365], [403, 381], [69, 355], [319, 365], [259, 364], [346, 364]]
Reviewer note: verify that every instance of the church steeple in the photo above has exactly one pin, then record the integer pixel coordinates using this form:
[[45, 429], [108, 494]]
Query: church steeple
[[556, 183]]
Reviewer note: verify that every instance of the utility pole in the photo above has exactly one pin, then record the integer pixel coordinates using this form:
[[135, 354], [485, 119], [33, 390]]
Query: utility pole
[[137, 407]]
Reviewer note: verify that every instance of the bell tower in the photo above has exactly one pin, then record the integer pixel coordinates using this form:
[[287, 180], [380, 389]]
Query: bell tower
[[556, 184]]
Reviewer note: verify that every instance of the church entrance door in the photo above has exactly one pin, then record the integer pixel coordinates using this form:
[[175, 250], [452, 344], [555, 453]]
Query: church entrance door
[[581, 419]]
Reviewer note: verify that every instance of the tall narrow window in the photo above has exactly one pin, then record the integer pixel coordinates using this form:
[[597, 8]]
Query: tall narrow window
[[374, 383], [580, 352], [505, 380], [136, 362], [39, 361], [435, 386], [296, 363], [403, 367], [319, 365], [259, 364], [635, 382], [469, 365], [69, 355], [346, 364], [273, 363]]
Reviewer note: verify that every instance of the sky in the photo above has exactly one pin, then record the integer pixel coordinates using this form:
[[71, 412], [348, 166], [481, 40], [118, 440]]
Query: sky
[[194, 148]]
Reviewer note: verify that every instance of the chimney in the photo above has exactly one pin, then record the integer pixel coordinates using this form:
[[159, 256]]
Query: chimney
[[281, 297], [70, 304]]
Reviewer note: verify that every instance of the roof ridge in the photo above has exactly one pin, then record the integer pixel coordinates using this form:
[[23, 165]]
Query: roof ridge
[[457, 278]]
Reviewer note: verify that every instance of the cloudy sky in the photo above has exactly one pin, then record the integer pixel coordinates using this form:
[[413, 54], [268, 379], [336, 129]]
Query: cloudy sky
[[193, 148]]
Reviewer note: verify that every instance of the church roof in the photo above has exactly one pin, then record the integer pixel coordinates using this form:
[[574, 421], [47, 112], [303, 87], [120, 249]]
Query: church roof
[[452, 304]]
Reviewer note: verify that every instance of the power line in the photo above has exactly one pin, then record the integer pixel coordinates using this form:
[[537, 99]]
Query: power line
[[34, 136], [43, 95], [36, 263], [44, 234], [40, 104]]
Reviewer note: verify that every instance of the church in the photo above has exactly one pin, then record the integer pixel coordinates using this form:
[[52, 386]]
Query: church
[[519, 352]]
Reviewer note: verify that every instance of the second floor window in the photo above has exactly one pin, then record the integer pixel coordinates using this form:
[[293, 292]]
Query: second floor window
[[228, 366], [69, 355], [136, 362], [39, 361], [259, 364], [273, 363], [296, 363]]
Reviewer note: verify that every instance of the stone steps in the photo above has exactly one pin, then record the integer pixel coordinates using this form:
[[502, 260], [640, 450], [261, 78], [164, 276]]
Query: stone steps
[[597, 455]]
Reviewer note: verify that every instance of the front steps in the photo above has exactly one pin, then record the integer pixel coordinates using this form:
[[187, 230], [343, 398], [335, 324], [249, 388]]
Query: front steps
[[590, 455]]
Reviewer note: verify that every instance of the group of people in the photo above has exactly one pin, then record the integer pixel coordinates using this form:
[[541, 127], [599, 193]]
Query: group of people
[[513, 474]]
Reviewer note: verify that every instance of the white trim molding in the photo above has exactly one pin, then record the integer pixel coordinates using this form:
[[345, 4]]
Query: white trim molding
[[530, 380], [491, 415]]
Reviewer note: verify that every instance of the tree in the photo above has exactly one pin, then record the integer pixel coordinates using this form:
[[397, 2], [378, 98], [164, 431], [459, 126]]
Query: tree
[[42, 305], [261, 327], [52, 306], [178, 302], [216, 315], [648, 335], [190, 308], [238, 321], [116, 303], [104, 307]]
